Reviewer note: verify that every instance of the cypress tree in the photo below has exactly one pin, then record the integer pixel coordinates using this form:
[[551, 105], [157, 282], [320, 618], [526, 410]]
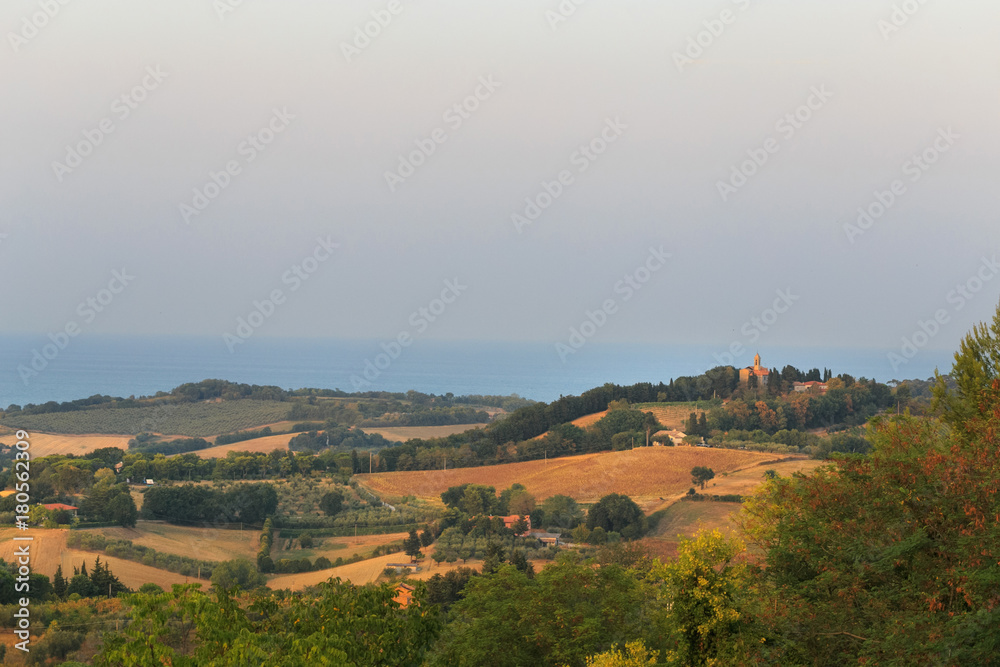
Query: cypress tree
[[59, 583]]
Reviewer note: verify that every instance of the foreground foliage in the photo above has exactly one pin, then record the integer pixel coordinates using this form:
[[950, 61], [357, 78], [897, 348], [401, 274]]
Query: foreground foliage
[[341, 625]]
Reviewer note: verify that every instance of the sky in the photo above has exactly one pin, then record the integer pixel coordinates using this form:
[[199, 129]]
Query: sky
[[675, 172]]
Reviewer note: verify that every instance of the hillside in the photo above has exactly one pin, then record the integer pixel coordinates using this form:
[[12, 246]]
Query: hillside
[[647, 474]]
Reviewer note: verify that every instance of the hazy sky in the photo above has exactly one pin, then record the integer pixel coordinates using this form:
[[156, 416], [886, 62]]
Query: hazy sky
[[205, 88]]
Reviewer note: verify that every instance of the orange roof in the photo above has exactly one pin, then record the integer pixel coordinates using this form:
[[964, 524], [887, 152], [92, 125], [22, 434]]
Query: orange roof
[[59, 506]]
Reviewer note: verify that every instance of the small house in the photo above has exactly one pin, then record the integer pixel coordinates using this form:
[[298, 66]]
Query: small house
[[548, 539], [58, 507], [400, 567]]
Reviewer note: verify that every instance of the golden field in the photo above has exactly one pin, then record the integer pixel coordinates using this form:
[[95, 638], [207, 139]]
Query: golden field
[[404, 433], [44, 444], [193, 542], [261, 445], [647, 474], [48, 551]]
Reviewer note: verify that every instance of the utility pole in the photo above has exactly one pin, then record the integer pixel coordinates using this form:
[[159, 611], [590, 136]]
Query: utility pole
[[369, 463]]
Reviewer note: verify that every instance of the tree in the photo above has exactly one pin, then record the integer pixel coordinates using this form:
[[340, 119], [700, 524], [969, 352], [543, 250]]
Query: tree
[[562, 511], [570, 610], [704, 587], [411, 545], [59, 582], [701, 474], [81, 585], [104, 581], [332, 502], [691, 425], [493, 557], [702, 425], [619, 514], [426, 538], [976, 365], [635, 655], [121, 509], [239, 572], [339, 624]]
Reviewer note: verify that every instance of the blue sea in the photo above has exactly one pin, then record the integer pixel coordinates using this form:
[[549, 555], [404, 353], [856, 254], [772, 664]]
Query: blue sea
[[143, 365]]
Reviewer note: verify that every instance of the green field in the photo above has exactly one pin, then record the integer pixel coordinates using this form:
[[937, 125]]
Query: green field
[[189, 419]]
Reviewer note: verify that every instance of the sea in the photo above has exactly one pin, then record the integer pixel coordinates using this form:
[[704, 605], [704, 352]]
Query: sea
[[34, 369]]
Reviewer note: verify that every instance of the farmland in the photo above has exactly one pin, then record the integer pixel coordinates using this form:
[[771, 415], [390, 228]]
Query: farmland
[[45, 444], [686, 518], [189, 419], [193, 542], [334, 547], [48, 551], [646, 474], [366, 571], [673, 415], [404, 433], [258, 445]]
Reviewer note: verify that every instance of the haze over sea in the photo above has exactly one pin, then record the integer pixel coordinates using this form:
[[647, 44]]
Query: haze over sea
[[144, 365]]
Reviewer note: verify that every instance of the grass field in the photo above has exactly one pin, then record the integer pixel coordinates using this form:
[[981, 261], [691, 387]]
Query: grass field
[[48, 551], [672, 415], [334, 547], [404, 433], [44, 444], [685, 519], [264, 445], [646, 474], [193, 542], [367, 571], [189, 419]]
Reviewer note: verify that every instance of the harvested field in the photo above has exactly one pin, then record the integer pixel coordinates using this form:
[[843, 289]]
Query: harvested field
[[199, 543], [672, 416], [368, 571], [685, 518], [333, 547], [263, 445], [646, 474], [362, 572], [404, 433], [44, 444], [48, 551]]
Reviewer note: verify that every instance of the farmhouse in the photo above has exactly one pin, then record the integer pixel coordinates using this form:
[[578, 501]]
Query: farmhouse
[[55, 507], [409, 567], [509, 521], [812, 384], [548, 539]]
